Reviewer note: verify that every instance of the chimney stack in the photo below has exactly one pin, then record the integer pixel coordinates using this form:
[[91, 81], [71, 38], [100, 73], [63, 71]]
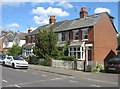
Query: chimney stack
[[52, 19], [83, 12], [29, 30]]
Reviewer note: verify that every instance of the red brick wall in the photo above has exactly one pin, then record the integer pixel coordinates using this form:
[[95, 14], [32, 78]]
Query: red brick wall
[[70, 36], [105, 39], [1, 45], [80, 35], [90, 34]]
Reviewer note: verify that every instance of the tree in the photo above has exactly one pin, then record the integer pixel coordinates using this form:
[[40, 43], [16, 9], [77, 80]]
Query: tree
[[118, 39], [45, 45], [15, 50]]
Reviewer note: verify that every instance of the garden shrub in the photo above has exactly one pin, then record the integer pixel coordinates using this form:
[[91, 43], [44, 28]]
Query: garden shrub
[[67, 58], [101, 67]]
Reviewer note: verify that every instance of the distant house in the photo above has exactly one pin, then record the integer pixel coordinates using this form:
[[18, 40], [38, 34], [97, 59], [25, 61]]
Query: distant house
[[8, 39], [90, 37], [19, 39]]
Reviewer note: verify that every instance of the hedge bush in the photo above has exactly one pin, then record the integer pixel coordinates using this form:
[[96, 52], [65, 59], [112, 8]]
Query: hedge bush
[[67, 58], [101, 67]]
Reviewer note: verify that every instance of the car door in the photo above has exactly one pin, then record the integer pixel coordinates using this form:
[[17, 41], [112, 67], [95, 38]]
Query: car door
[[8, 60]]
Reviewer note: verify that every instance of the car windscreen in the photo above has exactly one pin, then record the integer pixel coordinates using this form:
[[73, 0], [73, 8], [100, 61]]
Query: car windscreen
[[114, 61], [17, 58]]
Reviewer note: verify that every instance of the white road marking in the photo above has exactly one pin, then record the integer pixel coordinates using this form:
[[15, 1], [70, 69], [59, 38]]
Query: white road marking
[[17, 86], [33, 82], [71, 77], [95, 85], [24, 71], [5, 81], [73, 81], [56, 79], [44, 75]]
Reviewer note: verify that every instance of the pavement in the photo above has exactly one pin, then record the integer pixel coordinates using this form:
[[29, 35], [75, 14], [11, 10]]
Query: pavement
[[98, 76], [62, 71]]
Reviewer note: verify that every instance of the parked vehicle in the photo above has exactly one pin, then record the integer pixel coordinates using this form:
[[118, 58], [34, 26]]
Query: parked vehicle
[[113, 65], [2, 57], [15, 62]]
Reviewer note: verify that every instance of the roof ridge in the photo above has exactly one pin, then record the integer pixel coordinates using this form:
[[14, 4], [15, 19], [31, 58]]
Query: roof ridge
[[61, 24]]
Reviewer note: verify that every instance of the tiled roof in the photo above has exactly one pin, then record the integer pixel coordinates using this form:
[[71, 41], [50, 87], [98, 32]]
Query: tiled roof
[[10, 37], [21, 35], [72, 24]]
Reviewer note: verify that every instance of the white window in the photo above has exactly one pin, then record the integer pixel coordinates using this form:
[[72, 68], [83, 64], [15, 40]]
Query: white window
[[85, 34], [59, 37], [33, 39], [63, 36], [17, 41], [77, 52], [75, 34]]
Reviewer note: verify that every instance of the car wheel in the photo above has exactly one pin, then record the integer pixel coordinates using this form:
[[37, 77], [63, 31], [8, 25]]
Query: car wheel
[[3, 63], [13, 65]]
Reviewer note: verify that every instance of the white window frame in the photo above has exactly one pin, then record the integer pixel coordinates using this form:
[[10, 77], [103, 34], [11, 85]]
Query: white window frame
[[81, 51], [84, 33], [74, 35]]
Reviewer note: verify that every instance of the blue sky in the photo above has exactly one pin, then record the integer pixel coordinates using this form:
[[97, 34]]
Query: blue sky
[[22, 15]]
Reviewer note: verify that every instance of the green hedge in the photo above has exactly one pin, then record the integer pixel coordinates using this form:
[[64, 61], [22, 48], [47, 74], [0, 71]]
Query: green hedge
[[99, 68], [67, 58]]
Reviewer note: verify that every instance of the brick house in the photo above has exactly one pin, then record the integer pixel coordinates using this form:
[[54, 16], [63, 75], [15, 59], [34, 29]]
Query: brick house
[[90, 37]]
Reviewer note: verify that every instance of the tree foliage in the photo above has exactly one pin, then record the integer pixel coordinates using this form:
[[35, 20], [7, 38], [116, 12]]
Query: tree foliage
[[14, 51], [45, 45], [118, 39]]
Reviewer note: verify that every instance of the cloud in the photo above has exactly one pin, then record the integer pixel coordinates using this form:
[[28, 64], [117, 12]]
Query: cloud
[[42, 15], [32, 28], [65, 4], [41, 20], [49, 11], [13, 25], [100, 9]]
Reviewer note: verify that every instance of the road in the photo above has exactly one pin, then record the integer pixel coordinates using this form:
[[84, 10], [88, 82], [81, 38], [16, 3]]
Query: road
[[35, 78]]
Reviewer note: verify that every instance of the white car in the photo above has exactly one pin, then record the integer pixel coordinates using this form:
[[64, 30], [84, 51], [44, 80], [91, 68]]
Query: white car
[[15, 62]]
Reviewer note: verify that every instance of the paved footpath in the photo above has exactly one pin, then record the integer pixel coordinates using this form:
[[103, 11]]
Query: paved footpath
[[103, 77]]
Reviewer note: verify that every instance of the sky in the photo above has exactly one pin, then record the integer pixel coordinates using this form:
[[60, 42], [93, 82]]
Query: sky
[[20, 15]]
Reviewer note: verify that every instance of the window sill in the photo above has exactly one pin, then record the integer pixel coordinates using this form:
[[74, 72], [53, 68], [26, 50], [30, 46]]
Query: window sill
[[84, 39]]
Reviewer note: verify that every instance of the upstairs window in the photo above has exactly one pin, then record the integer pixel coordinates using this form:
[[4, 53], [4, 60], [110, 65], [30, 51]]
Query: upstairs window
[[63, 36], [75, 34], [59, 37], [85, 34]]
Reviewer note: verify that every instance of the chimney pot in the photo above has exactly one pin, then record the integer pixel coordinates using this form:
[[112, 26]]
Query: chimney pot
[[29, 30], [52, 19], [83, 12]]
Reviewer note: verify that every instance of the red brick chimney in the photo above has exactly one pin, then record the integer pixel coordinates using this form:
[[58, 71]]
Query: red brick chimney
[[52, 19], [83, 12], [29, 30]]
